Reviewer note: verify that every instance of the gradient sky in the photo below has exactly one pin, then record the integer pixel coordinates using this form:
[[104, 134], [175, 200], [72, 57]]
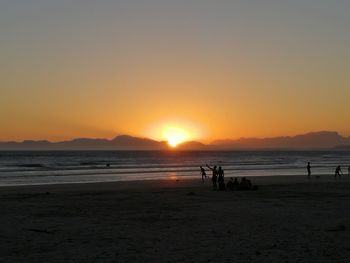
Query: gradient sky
[[220, 69]]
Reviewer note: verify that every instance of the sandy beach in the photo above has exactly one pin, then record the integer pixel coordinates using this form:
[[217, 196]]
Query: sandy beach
[[289, 219]]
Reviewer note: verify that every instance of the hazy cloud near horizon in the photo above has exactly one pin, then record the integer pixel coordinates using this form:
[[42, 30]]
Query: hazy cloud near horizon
[[86, 68]]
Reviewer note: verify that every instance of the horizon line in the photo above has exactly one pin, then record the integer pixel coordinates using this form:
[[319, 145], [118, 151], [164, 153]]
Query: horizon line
[[160, 141]]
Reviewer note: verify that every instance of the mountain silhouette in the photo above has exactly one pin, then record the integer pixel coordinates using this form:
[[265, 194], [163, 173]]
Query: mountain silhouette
[[122, 142], [312, 140], [192, 145], [127, 142]]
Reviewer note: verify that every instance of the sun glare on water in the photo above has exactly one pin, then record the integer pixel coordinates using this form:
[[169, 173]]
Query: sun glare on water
[[175, 135]]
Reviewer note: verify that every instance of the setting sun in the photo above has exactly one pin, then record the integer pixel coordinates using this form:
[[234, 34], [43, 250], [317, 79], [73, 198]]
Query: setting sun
[[175, 130], [175, 135]]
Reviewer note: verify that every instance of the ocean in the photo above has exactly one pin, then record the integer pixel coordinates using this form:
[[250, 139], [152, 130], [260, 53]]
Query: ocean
[[58, 167]]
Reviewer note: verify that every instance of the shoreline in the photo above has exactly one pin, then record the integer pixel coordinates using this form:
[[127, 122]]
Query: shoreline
[[169, 183]]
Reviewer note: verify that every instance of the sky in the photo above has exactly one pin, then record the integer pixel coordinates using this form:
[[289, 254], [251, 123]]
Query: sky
[[216, 69]]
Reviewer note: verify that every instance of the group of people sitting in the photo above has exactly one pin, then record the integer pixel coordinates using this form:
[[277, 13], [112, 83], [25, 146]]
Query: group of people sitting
[[218, 180], [244, 184]]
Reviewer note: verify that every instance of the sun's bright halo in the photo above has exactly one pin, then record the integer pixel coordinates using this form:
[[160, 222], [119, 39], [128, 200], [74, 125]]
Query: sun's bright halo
[[175, 135]]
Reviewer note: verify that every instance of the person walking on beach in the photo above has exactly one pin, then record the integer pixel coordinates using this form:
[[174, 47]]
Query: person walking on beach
[[337, 172], [203, 173], [214, 177], [308, 167]]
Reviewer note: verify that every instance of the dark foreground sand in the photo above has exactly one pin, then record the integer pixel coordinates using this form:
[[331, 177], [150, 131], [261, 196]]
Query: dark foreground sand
[[286, 220]]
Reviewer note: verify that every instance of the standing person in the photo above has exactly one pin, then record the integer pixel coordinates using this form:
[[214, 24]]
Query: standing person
[[349, 170], [308, 167], [203, 173], [221, 179], [337, 171], [214, 177]]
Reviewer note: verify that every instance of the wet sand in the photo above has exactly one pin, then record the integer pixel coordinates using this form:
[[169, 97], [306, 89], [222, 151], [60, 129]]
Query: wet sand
[[289, 219]]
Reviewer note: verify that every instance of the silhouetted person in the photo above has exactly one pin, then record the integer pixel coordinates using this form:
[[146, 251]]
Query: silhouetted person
[[349, 170], [214, 177], [221, 179], [108, 165], [230, 185], [337, 172], [235, 184], [203, 173], [249, 184], [308, 168]]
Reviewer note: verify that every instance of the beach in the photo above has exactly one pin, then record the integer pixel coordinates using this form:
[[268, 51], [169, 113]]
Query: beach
[[289, 219]]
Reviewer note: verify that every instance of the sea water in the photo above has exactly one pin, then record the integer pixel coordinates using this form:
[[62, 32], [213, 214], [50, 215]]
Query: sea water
[[56, 167]]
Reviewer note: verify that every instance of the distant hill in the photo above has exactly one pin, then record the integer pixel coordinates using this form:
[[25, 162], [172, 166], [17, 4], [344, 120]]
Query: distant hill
[[342, 147], [193, 145], [313, 140], [122, 142], [125, 142]]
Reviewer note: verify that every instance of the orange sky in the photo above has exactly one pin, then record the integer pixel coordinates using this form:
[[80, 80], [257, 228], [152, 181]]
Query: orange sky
[[217, 71]]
